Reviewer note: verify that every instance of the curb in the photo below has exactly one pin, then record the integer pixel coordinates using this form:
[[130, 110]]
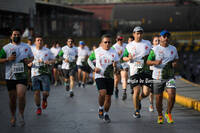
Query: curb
[[186, 101]]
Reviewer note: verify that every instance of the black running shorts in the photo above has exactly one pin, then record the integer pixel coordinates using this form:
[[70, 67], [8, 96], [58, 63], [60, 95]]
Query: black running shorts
[[11, 84], [105, 84]]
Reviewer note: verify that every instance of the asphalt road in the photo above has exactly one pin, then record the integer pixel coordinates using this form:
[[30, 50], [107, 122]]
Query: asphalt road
[[79, 115]]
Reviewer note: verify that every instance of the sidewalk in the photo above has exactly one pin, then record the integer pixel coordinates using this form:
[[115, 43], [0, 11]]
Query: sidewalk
[[187, 94]]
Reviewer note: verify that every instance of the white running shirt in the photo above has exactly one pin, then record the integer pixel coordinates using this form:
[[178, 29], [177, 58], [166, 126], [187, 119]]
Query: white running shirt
[[167, 54], [103, 59], [43, 54], [22, 51], [82, 55], [138, 50]]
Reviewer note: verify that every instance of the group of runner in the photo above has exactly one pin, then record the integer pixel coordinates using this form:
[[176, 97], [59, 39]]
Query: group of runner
[[150, 69]]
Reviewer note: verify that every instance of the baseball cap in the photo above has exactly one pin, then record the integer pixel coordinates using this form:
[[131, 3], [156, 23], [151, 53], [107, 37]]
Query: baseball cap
[[163, 32], [30, 38], [137, 29], [120, 37], [81, 42]]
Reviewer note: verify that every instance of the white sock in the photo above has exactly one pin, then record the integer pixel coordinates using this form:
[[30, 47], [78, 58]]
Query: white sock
[[105, 113], [101, 107]]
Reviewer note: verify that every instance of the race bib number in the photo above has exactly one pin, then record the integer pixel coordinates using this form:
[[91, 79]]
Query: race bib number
[[18, 68], [139, 63], [171, 83]]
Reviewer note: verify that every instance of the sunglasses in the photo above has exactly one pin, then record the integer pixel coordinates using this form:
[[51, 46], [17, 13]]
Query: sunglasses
[[107, 42], [119, 39]]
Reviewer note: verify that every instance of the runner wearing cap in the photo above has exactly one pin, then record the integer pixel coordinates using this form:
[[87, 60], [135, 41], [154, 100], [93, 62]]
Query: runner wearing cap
[[83, 54], [164, 57], [136, 53], [119, 46]]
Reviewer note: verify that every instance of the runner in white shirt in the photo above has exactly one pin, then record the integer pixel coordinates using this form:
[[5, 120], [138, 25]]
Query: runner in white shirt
[[136, 52], [69, 55], [155, 42], [55, 50], [106, 65], [83, 54], [164, 57], [16, 55], [40, 73], [120, 46]]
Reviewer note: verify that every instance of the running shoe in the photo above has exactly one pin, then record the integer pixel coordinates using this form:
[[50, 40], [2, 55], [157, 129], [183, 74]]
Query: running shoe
[[83, 85], [151, 108], [44, 104], [55, 84], [21, 121], [39, 111], [160, 120], [12, 122], [67, 87], [106, 118], [101, 114], [136, 114], [168, 116], [124, 96], [116, 93], [71, 94], [79, 84]]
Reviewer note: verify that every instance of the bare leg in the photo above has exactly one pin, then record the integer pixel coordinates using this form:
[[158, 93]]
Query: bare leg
[[136, 97], [171, 99], [124, 75], [79, 75], [84, 77], [145, 92], [102, 95], [55, 74], [151, 98], [21, 92], [45, 95], [12, 104], [107, 103], [159, 99], [71, 83], [37, 98]]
